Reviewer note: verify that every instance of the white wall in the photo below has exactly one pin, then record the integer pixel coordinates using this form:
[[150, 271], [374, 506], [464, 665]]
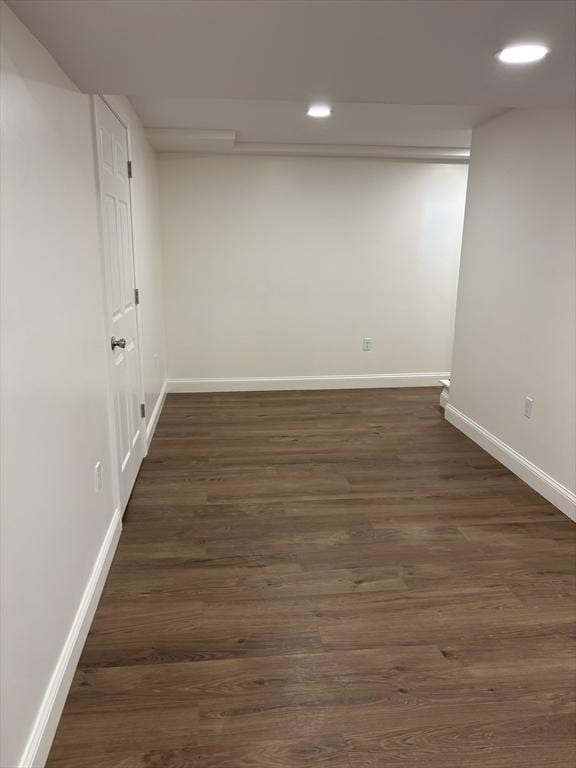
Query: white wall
[[54, 412], [148, 257], [54, 407], [516, 312], [277, 267]]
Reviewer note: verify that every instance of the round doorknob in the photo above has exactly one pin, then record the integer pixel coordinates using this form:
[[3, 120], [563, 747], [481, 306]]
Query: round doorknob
[[114, 342]]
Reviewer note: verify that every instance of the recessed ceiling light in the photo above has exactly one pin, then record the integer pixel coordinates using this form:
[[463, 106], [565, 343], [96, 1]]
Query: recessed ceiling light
[[523, 54], [319, 110]]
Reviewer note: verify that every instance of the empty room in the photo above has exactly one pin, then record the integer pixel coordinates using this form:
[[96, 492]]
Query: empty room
[[288, 383]]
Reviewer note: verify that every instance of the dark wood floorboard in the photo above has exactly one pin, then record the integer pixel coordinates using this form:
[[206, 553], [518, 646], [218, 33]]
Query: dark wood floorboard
[[336, 579]]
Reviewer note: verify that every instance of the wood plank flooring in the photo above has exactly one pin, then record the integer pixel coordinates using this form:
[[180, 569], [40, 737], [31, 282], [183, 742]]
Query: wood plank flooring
[[336, 579]]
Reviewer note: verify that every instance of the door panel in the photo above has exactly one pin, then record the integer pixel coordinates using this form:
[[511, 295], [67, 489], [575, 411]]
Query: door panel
[[120, 297]]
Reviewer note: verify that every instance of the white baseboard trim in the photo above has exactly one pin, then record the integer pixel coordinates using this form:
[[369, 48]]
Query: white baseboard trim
[[255, 384], [36, 752], [536, 478], [155, 415]]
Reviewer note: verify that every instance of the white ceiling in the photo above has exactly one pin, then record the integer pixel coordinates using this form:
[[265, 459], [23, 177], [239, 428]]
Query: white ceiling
[[286, 121], [390, 51], [251, 66]]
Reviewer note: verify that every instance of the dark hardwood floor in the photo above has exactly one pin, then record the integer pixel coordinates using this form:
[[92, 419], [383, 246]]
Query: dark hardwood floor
[[336, 579]]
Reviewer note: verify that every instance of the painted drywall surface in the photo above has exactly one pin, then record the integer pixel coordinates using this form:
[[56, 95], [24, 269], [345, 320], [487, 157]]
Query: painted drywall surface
[[54, 405], [516, 311], [147, 252], [280, 266]]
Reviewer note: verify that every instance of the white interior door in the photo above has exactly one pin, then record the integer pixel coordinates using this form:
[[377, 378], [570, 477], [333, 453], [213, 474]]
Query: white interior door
[[112, 141]]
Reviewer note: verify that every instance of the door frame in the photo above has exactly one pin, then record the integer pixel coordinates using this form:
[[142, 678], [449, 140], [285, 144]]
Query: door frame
[[114, 455]]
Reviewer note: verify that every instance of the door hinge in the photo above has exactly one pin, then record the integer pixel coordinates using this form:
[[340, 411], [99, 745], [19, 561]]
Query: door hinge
[[129, 169], [136, 296], [142, 410]]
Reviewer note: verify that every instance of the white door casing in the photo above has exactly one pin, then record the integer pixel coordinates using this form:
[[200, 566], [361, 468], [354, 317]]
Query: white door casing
[[120, 299]]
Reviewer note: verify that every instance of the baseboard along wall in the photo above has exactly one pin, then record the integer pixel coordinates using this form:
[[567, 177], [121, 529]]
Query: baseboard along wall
[[536, 478], [44, 729], [155, 415]]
